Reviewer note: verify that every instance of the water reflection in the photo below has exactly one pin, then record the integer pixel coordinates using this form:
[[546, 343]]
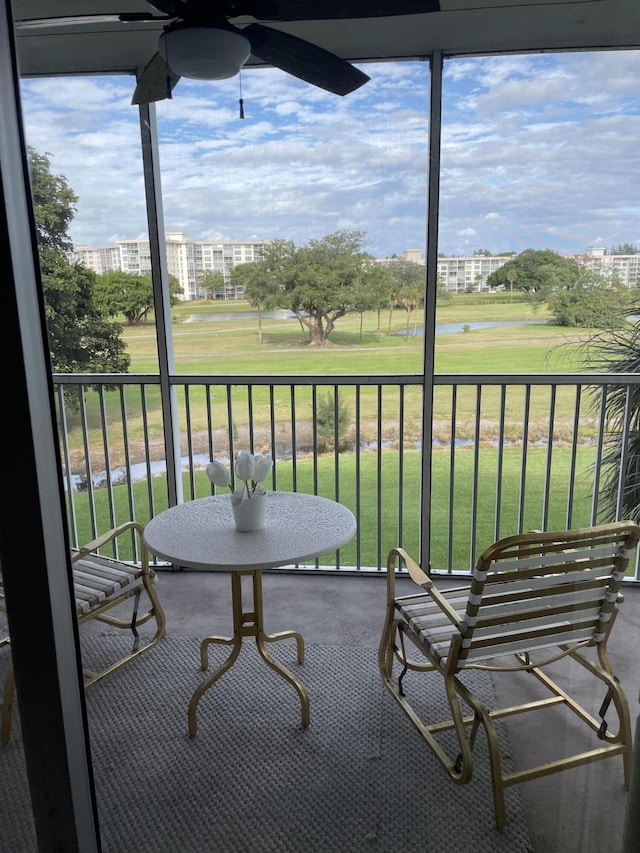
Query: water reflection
[[457, 328], [228, 316]]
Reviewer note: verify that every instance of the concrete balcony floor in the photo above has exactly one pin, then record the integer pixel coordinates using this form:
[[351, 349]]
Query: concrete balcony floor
[[579, 810]]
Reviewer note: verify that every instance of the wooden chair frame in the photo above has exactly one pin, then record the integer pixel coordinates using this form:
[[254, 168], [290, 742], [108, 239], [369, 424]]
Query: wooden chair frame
[[553, 594], [100, 585]]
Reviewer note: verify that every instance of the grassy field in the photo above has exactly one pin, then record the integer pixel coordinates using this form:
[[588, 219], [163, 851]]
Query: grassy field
[[382, 529], [232, 347]]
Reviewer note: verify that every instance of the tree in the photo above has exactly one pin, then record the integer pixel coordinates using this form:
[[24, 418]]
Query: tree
[[316, 281], [210, 283], [126, 293], [53, 201], [537, 272], [371, 292], [259, 285], [618, 351], [407, 287], [625, 249], [331, 419], [81, 337], [592, 301]]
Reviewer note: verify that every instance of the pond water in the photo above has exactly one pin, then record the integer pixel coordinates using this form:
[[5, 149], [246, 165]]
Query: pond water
[[228, 316], [456, 328], [283, 314]]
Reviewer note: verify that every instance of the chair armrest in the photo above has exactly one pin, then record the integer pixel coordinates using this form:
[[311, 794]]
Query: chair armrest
[[421, 579], [96, 544], [417, 575]]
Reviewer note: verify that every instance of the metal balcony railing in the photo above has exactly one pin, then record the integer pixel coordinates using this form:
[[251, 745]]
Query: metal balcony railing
[[507, 453]]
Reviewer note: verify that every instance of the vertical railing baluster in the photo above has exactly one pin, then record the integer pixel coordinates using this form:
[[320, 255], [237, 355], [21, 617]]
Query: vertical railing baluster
[[602, 421], [475, 479], [314, 430], [294, 441], [358, 484], [87, 462], [127, 456], [574, 457], [147, 449], [189, 431], [379, 480], [500, 463], [336, 443], [252, 437], [210, 423], [523, 464], [272, 423], [336, 455], [452, 475], [624, 451], [547, 476], [230, 433], [401, 426], [106, 453]]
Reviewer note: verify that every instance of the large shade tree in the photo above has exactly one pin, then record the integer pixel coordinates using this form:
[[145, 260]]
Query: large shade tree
[[537, 272], [81, 336], [129, 294], [318, 282]]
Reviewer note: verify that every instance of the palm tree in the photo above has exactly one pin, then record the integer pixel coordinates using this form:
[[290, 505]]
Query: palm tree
[[618, 351]]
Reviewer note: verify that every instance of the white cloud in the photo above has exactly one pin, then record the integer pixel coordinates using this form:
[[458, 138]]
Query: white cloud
[[536, 151]]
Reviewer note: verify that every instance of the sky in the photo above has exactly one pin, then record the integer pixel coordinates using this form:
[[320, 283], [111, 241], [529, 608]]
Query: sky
[[538, 151]]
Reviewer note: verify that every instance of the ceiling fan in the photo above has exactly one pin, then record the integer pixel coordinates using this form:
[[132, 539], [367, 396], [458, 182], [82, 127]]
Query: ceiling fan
[[200, 42]]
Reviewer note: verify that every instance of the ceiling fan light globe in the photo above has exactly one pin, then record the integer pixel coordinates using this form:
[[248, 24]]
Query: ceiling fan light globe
[[204, 53]]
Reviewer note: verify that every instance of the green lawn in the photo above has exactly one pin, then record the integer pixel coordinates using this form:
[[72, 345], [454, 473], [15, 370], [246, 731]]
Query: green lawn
[[230, 347], [379, 533], [211, 348]]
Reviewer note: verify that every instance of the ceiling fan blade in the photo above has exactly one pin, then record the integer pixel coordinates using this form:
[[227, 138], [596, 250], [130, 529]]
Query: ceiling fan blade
[[80, 20], [304, 60], [173, 8], [156, 82], [312, 10]]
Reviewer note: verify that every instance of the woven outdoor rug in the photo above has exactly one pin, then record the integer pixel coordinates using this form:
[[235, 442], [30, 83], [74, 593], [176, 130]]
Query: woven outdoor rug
[[358, 779]]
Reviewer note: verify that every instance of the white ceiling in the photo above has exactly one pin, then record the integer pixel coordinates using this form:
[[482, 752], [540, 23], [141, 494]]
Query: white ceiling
[[462, 27]]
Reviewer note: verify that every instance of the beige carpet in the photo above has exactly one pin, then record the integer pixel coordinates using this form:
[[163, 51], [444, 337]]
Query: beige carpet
[[358, 779]]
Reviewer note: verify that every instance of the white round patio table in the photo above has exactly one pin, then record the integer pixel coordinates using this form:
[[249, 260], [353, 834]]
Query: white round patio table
[[201, 534]]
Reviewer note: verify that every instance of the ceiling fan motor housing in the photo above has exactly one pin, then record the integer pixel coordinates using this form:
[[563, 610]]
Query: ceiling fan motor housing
[[204, 53]]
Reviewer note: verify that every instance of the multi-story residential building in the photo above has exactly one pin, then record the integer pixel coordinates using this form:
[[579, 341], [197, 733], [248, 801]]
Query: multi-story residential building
[[186, 260], [462, 275], [626, 267]]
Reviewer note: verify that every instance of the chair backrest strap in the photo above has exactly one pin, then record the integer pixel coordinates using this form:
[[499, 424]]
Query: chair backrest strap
[[545, 589]]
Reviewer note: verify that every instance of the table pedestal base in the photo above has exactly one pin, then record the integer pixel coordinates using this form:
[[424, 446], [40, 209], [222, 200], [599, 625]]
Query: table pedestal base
[[248, 624]]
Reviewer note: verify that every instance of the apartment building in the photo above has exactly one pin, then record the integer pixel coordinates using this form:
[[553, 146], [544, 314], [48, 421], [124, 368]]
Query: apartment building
[[186, 260], [470, 274], [626, 267]]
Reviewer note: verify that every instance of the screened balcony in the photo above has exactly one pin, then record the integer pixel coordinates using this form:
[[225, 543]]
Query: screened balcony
[[435, 460]]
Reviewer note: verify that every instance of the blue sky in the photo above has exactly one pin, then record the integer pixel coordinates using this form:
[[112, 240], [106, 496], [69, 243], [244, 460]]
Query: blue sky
[[538, 151]]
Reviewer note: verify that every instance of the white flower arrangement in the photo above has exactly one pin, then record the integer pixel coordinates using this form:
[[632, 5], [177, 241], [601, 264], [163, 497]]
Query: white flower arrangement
[[250, 468]]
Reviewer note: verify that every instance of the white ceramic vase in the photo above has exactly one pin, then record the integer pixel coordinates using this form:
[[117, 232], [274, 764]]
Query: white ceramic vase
[[249, 514]]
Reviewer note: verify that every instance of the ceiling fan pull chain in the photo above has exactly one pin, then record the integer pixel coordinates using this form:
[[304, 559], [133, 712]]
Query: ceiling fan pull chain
[[241, 99]]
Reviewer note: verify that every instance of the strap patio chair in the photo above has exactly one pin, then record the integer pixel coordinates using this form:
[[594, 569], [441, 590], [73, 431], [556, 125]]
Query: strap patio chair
[[101, 584], [535, 598]]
